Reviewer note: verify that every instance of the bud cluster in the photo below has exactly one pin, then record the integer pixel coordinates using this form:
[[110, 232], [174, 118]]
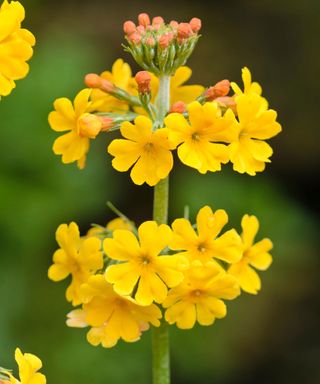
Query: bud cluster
[[159, 47]]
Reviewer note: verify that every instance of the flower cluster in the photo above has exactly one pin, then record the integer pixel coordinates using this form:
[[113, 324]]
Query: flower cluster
[[123, 275], [15, 46], [29, 366]]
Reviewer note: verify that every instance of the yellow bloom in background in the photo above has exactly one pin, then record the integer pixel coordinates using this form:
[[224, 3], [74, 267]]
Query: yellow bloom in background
[[120, 76], [111, 317], [15, 46], [205, 244], [29, 366], [117, 223], [77, 257], [82, 126], [146, 150], [248, 150], [143, 271], [254, 255], [198, 297], [199, 141]]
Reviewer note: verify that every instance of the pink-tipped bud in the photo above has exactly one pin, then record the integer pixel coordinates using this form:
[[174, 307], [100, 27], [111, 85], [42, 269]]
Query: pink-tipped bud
[[174, 24], [93, 80], [165, 40], [143, 79], [178, 107], [184, 31], [144, 19], [158, 20], [220, 89], [135, 38], [129, 27], [150, 41], [195, 24], [89, 125]]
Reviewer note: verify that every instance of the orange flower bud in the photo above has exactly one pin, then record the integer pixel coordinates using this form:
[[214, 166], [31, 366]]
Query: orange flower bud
[[144, 19], [184, 31], [93, 80], [221, 89], [195, 24], [178, 107], [141, 29], [135, 38], [150, 41], [143, 79], [227, 102], [129, 27], [158, 20], [89, 125], [174, 24], [165, 40], [107, 123]]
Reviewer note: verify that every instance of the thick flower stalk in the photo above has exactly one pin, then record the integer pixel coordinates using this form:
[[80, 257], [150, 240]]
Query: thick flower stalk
[[15, 46], [125, 278]]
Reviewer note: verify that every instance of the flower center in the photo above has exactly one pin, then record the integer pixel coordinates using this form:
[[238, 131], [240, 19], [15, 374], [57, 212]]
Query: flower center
[[148, 147], [196, 294], [201, 247], [145, 260], [195, 136]]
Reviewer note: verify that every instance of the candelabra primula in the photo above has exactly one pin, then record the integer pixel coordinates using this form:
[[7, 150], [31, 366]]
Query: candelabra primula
[[126, 278]]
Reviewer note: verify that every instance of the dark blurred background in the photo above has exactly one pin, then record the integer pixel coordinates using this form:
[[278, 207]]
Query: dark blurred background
[[272, 338]]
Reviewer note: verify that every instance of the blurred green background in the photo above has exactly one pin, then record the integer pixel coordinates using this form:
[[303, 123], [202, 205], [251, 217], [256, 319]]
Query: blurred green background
[[271, 338]]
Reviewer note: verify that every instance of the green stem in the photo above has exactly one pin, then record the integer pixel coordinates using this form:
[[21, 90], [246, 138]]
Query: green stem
[[160, 336]]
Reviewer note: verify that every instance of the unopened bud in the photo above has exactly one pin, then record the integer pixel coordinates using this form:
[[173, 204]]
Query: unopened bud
[[129, 27], [135, 38], [141, 29], [178, 107], [150, 41], [144, 19], [89, 125], [221, 89], [143, 79], [165, 40], [93, 80], [107, 123], [174, 24], [184, 31], [158, 20], [195, 24]]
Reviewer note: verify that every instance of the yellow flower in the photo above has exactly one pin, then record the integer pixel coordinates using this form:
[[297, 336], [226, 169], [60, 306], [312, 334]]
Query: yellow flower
[[15, 46], [249, 86], [147, 150], [142, 271], [111, 317], [82, 126], [117, 223], [197, 298], [76, 256], [120, 76], [205, 244], [254, 255], [248, 150], [200, 140], [29, 366]]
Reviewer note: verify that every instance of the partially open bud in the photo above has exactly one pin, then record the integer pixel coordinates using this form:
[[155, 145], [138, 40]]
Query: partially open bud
[[195, 24], [144, 19], [93, 80], [89, 125], [107, 123], [129, 27], [221, 89], [135, 38], [143, 79], [227, 102], [178, 107], [150, 41]]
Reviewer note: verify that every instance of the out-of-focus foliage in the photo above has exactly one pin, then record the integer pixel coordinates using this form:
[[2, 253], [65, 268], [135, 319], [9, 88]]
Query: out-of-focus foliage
[[271, 338]]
